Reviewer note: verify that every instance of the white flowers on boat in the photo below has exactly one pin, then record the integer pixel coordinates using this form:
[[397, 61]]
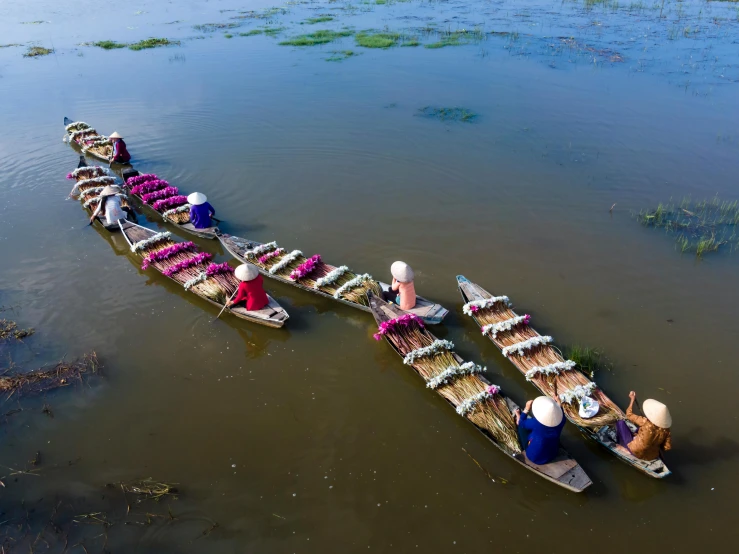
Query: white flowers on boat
[[470, 403], [261, 249], [507, 325], [76, 126], [430, 350], [94, 169], [178, 210], [97, 181], [552, 369], [471, 307], [93, 190], [577, 393], [452, 372], [195, 280], [146, 243], [74, 134], [331, 277], [520, 347], [91, 201], [358, 281], [284, 262]]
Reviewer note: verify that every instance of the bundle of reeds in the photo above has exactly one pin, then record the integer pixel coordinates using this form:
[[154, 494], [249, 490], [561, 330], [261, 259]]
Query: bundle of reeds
[[153, 191], [551, 384], [492, 414], [44, 379]]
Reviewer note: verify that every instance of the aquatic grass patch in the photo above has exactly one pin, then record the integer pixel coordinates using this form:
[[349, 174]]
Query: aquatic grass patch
[[319, 19], [109, 44], [319, 37], [412, 41], [252, 33], [456, 38], [368, 39], [267, 31], [152, 43], [448, 114], [212, 27], [228, 35], [9, 45], [342, 55], [588, 360], [36, 51], [699, 226]]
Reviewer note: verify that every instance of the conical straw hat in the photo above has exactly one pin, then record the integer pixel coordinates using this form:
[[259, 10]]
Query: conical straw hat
[[114, 135], [402, 272], [547, 411], [246, 272], [110, 190], [657, 413], [197, 198]]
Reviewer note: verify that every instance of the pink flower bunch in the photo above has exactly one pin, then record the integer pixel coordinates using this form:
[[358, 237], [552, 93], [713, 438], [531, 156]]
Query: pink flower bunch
[[526, 319], [217, 269], [305, 268], [69, 176], [159, 195], [189, 262], [405, 320], [474, 309], [267, 257], [168, 252], [493, 389], [150, 186], [169, 203], [139, 179]]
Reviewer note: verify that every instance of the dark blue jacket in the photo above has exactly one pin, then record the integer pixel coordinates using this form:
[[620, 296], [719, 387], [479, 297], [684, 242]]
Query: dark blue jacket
[[543, 441]]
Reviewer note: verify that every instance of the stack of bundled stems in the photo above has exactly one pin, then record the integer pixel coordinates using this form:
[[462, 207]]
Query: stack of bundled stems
[[492, 416], [217, 288], [358, 295], [176, 217], [83, 139], [91, 197], [543, 355]]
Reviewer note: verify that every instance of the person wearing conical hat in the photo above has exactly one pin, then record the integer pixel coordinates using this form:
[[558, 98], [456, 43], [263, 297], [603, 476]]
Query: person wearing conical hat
[[653, 433], [120, 153], [109, 205], [200, 210], [539, 432], [251, 289], [402, 291]]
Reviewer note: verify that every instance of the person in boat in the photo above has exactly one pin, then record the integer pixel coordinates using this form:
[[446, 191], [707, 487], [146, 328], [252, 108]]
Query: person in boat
[[402, 291], [251, 289], [110, 207], [653, 433], [200, 210], [539, 432], [120, 153]]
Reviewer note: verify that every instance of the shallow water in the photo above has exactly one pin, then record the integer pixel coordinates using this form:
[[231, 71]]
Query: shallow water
[[337, 445]]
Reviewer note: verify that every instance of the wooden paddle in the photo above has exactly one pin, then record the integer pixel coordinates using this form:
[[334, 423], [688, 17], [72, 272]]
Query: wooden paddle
[[226, 305]]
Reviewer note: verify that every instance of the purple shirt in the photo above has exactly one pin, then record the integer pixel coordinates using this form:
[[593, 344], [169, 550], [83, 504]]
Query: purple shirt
[[543, 442], [200, 215]]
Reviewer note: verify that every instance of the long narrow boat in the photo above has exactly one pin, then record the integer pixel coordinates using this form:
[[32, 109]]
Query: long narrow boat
[[89, 182], [464, 387], [164, 200], [87, 138], [186, 265], [336, 283], [545, 368]]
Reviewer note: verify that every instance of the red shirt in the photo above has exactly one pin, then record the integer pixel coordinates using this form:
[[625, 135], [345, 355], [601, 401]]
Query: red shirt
[[253, 292]]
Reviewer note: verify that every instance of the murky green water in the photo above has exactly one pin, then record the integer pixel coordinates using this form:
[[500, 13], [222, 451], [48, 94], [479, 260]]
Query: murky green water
[[316, 438]]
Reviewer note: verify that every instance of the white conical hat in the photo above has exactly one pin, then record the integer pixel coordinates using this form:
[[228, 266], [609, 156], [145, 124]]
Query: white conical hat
[[197, 198], [657, 413], [110, 190], [547, 411], [402, 272], [246, 272], [114, 134]]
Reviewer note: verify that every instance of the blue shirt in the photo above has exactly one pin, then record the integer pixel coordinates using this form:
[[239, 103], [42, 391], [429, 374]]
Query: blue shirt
[[543, 443], [200, 215]]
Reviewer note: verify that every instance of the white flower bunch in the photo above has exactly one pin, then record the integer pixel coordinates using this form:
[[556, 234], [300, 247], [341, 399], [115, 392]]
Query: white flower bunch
[[180, 209], [354, 283], [88, 192], [146, 243], [261, 249], [443, 378], [98, 181], [76, 126], [469, 404], [91, 201], [331, 277], [433, 348], [519, 347], [98, 170], [484, 303], [552, 369], [507, 325], [195, 280], [102, 142], [577, 393], [283, 263], [74, 134]]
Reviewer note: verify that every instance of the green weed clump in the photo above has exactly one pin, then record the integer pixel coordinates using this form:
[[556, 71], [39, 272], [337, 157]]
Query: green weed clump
[[340, 56], [588, 360], [36, 51], [314, 39], [448, 114], [109, 44], [319, 19], [212, 27], [252, 33], [152, 43], [367, 39], [456, 38]]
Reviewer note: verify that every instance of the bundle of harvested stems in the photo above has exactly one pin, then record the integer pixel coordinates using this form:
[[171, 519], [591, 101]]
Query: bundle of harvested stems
[[44, 379], [541, 356], [491, 413]]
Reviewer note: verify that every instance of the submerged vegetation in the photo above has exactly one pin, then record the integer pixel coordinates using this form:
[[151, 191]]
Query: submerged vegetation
[[60, 375], [314, 39], [588, 360], [341, 55], [448, 114], [10, 329], [212, 27], [140, 45], [700, 227], [367, 39], [36, 51], [456, 38], [319, 19], [268, 31]]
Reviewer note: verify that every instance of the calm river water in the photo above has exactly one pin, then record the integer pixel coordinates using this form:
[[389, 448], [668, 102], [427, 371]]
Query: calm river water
[[316, 438]]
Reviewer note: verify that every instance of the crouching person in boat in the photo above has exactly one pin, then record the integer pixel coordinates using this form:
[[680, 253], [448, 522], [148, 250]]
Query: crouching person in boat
[[200, 210], [110, 207], [251, 289], [402, 291], [653, 433], [120, 153], [539, 433]]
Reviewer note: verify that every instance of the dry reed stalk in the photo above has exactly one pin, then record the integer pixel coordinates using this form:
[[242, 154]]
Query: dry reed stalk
[[179, 218], [44, 379], [149, 488], [541, 356]]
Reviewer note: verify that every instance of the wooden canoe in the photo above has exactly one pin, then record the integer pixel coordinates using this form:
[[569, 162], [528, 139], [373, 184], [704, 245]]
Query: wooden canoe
[[563, 470], [603, 435], [88, 151], [271, 316], [238, 247]]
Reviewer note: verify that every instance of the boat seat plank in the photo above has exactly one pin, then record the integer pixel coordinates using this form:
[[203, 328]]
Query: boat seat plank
[[557, 467], [190, 227]]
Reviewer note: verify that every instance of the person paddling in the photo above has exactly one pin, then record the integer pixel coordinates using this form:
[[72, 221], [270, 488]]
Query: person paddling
[[251, 289], [120, 153], [653, 433], [402, 291], [200, 210], [539, 433], [110, 207]]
